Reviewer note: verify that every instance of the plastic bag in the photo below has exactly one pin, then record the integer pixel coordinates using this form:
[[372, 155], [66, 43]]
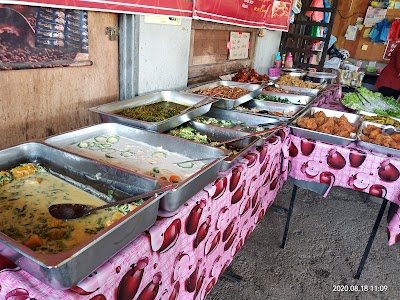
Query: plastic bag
[[380, 31]]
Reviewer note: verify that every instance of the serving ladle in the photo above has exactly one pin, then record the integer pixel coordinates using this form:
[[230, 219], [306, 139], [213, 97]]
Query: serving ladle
[[71, 211]]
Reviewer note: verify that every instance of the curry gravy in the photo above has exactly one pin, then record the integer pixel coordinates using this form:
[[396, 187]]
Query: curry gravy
[[24, 213]]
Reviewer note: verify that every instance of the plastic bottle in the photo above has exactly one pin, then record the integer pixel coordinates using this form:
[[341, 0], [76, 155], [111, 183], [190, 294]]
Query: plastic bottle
[[289, 61], [278, 60]]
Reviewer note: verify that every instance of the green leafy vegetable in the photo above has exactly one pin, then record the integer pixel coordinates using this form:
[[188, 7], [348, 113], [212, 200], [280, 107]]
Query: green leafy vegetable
[[379, 104]]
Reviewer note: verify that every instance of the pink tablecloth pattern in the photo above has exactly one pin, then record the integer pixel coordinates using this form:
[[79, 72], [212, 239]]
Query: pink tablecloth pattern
[[183, 254], [349, 167]]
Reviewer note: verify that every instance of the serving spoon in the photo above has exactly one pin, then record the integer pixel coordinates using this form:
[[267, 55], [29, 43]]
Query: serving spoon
[[71, 211]]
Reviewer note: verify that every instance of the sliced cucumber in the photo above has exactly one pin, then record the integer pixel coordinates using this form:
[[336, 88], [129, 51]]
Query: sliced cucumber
[[94, 148], [186, 165], [113, 139], [104, 145], [101, 138], [108, 150], [126, 153], [83, 145], [159, 154]]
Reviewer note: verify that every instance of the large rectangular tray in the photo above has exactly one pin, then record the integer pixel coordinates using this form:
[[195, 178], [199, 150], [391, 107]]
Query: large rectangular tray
[[293, 98], [300, 90], [237, 116], [254, 91], [274, 107], [186, 188], [108, 112], [66, 269], [370, 114], [354, 119], [372, 146], [219, 134]]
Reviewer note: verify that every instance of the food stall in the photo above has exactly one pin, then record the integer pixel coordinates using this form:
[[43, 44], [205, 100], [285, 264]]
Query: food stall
[[215, 160]]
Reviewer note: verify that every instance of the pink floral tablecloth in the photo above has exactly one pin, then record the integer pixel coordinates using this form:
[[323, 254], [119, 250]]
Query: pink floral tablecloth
[[182, 255]]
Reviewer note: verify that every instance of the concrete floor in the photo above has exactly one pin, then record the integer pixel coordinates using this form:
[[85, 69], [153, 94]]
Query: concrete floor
[[327, 237]]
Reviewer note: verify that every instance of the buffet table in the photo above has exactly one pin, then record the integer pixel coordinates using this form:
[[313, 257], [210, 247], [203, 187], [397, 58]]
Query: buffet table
[[183, 254]]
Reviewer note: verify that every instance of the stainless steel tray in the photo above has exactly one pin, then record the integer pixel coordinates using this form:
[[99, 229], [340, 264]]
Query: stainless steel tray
[[366, 113], [219, 134], [283, 108], [300, 90], [372, 146], [186, 188], [294, 99], [108, 111], [354, 119], [254, 91], [66, 269], [247, 120]]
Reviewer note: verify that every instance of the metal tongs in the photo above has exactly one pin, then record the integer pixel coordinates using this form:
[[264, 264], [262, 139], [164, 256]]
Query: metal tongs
[[359, 94], [389, 130], [250, 135]]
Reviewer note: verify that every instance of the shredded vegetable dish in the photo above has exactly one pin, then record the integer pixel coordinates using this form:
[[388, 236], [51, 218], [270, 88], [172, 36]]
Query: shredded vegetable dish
[[155, 112], [28, 190]]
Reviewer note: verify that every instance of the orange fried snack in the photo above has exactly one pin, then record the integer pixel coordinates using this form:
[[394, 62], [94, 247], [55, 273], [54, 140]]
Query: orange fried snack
[[373, 134], [330, 125]]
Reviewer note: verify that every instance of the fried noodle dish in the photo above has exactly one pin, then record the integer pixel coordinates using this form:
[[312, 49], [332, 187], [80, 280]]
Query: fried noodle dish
[[224, 92], [295, 81], [331, 125]]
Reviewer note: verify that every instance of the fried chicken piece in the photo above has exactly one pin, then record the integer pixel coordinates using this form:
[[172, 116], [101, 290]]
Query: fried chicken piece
[[374, 133], [368, 129], [364, 138], [327, 127], [307, 123], [343, 133], [396, 137]]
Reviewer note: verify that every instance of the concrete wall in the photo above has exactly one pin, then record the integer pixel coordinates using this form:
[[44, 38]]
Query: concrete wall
[[266, 49], [163, 56]]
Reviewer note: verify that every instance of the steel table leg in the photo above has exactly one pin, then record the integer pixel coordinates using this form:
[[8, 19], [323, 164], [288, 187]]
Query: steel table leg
[[289, 215], [371, 239]]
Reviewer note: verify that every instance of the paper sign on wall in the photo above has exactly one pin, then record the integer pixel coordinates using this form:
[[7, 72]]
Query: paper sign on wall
[[239, 45], [374, 15]]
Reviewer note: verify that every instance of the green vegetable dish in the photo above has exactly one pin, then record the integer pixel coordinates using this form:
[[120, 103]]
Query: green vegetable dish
[[365, 100], [217, 122], [156, 112], [272, 98]]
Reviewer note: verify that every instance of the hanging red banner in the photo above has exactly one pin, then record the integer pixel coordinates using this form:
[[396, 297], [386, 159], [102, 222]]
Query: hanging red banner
[[178, 8], [249, 13]]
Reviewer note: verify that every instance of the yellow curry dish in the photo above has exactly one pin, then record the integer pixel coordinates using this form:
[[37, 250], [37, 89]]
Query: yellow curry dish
[[27, 191]]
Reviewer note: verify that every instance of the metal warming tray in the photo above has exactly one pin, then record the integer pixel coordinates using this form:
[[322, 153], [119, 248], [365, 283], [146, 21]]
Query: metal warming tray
[[186, 188], [108, 112], [219, 134], [354, 119], [254, 91], [246, 120], [294, 99], [290, 111], [300, 90], [372, 146], [370, 114], [66, 269]]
